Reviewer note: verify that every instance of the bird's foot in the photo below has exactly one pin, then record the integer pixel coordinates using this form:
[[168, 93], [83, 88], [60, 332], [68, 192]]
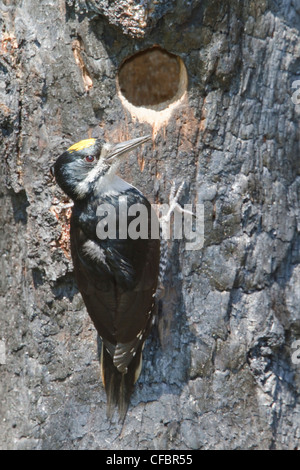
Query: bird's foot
[[173, 203]]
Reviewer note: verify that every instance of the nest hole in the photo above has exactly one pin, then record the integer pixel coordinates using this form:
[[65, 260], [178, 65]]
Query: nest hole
[[153, 78]]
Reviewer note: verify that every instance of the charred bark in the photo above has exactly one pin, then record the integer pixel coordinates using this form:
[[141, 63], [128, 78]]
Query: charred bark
[[220, 369]]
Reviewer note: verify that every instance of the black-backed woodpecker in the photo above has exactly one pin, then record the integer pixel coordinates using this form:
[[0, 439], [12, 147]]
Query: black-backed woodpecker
[[117, 278]]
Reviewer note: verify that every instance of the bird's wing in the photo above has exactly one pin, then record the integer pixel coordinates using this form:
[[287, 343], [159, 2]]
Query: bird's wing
[[117, 280]]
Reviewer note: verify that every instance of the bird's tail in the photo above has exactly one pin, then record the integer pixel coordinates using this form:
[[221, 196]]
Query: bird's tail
[[119, 386]]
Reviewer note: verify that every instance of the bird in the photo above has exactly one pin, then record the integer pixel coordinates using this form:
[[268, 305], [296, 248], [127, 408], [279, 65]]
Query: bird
[[116, 276]]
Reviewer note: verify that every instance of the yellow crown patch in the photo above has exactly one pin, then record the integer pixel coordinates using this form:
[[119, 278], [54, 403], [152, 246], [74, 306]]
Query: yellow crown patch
[[81, 145]]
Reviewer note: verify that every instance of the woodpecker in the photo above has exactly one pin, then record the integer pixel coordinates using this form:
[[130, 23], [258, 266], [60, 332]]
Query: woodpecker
[[117, 277]]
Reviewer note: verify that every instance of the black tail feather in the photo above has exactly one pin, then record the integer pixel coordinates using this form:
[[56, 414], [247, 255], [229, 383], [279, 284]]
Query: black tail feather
[[118, 386]]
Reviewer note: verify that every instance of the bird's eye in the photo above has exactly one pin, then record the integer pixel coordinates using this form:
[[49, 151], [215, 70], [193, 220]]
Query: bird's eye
[[89, 158]]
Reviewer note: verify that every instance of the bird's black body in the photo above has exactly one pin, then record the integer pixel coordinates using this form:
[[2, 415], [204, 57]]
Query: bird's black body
[[117, 278]]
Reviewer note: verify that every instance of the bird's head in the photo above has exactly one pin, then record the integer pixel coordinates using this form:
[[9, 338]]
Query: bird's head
[[82, 165]]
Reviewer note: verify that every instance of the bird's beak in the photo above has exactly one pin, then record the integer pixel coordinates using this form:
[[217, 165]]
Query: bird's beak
[[124, 147]]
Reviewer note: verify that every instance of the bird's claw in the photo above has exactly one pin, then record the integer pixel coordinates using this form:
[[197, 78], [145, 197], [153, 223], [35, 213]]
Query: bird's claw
[[173, 202]]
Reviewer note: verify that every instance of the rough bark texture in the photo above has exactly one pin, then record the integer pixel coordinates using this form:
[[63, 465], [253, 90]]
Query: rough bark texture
[[218, 370]]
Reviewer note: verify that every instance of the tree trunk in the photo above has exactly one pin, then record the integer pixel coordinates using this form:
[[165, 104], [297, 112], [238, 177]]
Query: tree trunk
[[221, 367]]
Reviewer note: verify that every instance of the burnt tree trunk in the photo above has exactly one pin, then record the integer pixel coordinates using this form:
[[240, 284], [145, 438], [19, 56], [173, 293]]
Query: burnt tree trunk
[[220, 369]]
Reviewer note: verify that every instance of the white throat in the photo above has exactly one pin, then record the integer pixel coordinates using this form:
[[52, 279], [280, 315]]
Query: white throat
[[111, 185]]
